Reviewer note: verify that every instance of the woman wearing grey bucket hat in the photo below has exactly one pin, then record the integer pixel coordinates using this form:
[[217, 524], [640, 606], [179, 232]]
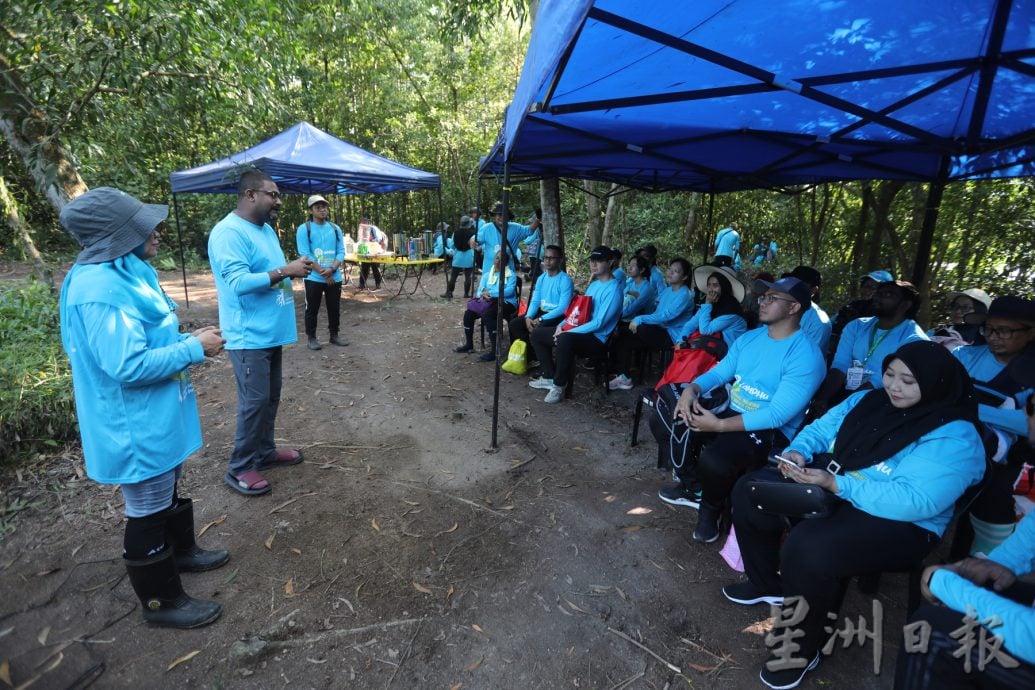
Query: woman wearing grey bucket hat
[[138, 415]]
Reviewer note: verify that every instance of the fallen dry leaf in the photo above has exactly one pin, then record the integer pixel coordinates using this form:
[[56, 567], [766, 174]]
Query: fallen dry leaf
[[289, 587], [639, 511], [457, 686], [410, 503], [455, 526], [473, 666], [43, 573], [269, 541], [449, 592], [5, 672], [609, 498], [580, 448], [622, 594], [632, 528], [296, 551], [576, 608], [759, 628], [479, 629], [421, 588], [661, 568], [373, 523], [571, 650], [183, 659], [43, 635], [218, 521]]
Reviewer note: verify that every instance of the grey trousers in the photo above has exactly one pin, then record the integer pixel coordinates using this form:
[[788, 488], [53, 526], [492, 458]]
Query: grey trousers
[[258, 376]]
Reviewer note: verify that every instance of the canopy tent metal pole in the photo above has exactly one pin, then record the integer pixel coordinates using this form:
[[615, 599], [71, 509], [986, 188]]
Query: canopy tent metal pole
[[708, 229], [926, 241], [504, 263], [183, 262]]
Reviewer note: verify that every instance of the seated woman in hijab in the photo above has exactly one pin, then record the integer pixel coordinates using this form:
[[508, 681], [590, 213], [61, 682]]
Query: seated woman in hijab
[[138, 414], [488, 307], [901, 457]]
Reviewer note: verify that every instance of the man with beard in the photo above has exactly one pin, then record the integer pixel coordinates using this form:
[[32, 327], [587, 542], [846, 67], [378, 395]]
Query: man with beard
[[866, 341], [257, 315]]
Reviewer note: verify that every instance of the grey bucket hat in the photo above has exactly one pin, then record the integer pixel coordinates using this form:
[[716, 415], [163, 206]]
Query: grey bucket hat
[[109, 223]]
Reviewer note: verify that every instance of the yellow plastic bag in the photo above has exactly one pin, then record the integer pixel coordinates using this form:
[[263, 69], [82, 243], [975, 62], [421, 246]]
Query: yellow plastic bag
[[517, 362]]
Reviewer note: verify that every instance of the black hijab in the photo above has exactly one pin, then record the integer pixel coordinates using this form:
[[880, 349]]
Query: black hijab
[[875, 429], [727, 303]]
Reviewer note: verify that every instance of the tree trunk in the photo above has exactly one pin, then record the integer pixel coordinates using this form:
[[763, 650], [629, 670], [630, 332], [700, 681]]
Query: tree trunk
[[860, 237], [550, 202], [594, 228], [36, 146], [691, 223], [610, 215], [21, 231]]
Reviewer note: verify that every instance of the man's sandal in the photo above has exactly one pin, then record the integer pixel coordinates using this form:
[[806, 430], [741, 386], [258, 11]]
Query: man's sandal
[[283, 458], [248, 483]]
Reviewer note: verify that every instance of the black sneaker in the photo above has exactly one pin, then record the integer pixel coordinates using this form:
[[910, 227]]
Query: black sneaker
[[707, 529], [746, 593], [787, 678], [314, 344], [680, 495]]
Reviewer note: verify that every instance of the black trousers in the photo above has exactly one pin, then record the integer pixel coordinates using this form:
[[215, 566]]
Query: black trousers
[[451, 280], [646, 337], [557, 363], [722, 260], [819, 555], [314, 291], [938, 669], [726, 457], [364, 271], [488, 318]]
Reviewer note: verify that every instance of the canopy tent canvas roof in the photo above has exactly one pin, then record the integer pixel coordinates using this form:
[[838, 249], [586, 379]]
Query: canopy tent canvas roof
[[304, 160], [717, 96]]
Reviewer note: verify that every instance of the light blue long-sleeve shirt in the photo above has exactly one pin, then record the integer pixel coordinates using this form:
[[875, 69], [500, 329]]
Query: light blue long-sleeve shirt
[[324, 244], [606, 310], [817, 326], [919, 484], [490, 283], [1017, 554], [727, 243], [773, 380], [863, 342], [657, 281], [620, 276], [135, 402], [463, 257], [982, 366], [731, 326], [253, 314], [490, 240], [638, 297], [675, 308], [551, 296]]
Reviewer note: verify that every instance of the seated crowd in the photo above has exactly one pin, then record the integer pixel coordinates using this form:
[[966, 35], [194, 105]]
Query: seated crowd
[[835, 448]]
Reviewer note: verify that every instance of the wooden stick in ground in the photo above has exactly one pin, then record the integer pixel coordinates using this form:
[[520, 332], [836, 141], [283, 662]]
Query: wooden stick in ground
[[625, 637]]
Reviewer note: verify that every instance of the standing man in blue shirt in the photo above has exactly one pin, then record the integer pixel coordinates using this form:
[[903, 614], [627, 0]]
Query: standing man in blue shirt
[[773, 372], [490, 237], [321, 240], [257, 315], [727, 245]]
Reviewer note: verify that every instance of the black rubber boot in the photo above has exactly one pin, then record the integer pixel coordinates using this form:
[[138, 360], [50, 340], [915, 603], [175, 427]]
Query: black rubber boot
[[164, 602], [179, 532]]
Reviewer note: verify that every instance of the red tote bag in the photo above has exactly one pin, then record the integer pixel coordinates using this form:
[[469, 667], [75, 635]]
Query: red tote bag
[[687, 364], [579, 311]]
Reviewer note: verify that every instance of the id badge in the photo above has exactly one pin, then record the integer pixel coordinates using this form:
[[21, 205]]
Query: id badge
[[854, 378]]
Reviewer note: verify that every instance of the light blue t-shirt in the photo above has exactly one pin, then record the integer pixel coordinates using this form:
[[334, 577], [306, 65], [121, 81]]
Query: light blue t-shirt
[[135, 402], [773, 380], [675, 307], [727, 243], [323, 243], [863, 342], [918, 484], [1017, 554], [490, 283], [551, 296], [490, 240], [463, 257], [253, 314], [817, 326], [606, 300], [732, 326], [982, 366], [638, 297]]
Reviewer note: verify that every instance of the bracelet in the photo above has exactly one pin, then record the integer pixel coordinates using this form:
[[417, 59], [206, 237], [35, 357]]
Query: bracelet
[[280, 273]]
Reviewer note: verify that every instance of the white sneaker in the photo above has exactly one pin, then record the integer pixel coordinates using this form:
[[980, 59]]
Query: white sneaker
[[620, 383], [555, 395], [541, 382]]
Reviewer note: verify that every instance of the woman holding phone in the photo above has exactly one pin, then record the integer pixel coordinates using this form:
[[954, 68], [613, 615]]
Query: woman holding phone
[[902, 456]]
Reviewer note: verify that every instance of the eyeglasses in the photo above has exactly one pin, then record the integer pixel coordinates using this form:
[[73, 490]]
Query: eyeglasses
[[769, 299], [273, 195], [1004, 333], [551, 257]]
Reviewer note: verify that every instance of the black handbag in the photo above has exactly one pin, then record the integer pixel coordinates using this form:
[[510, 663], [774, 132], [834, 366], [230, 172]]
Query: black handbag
[[771, 493]]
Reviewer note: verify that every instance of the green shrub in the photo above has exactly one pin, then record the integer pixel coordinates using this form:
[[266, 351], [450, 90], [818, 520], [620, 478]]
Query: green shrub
[[36, 408]]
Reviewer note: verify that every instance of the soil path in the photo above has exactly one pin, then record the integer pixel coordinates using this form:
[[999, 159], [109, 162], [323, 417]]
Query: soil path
[[403, 553]]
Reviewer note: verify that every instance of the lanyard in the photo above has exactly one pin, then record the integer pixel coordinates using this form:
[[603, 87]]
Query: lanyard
[[875, 345]]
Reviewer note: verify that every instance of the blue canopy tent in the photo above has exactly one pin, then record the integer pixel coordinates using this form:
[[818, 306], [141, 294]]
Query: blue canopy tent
[[302, 160], [717, 96]]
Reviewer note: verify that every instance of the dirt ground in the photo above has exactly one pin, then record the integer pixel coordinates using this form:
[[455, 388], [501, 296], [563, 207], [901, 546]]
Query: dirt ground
[[404, 552]]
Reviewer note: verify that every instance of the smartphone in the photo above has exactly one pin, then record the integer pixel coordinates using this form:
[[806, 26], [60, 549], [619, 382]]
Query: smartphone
[[780, 458]]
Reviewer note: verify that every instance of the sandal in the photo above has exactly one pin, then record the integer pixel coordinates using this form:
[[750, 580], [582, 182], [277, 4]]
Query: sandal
[[283, 458], [249, 483]]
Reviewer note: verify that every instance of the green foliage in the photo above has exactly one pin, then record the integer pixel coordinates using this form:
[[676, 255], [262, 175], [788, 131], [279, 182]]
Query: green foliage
[[36, 409]]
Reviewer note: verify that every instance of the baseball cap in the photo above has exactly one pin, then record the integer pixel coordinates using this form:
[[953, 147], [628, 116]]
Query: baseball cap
[[601, 253], [880, 276], [790, 286], [315, 199], [808, 275], [976, 294]]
